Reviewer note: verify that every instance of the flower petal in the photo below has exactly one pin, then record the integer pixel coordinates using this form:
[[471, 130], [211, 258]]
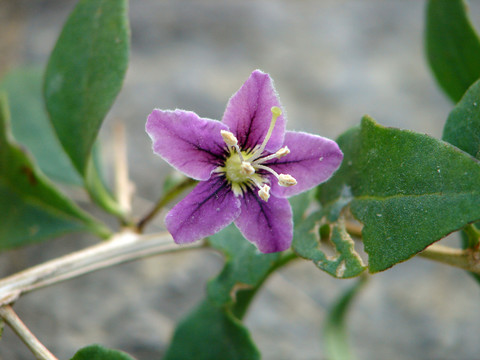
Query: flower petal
[[206, 210], [248, 113], [268, 225], [312, 160], [189, 143]]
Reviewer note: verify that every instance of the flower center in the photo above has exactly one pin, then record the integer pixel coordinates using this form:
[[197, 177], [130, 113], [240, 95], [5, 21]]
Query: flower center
[[241, 167]]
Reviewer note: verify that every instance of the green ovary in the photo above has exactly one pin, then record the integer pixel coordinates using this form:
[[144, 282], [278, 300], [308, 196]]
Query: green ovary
[[234, 174]]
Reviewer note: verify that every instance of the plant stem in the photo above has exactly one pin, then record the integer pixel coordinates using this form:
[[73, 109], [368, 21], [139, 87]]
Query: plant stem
[[17, 325], [122, 247], [164, 200], [123, 186], [354, 228], [463, 259]]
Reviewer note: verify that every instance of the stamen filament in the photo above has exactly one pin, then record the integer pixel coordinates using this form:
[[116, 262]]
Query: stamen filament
[[266, 168], [283, 179], [276, 112], [279, 154]]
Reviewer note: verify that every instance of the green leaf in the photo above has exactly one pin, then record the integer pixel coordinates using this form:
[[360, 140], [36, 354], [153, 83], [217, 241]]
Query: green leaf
[[306, 243], [211, 332], [31, 127], [85, 73], [300, 204], [32, 208], [228, 297], [97, 352], [462, 128], [452, 45], [245, 267], [409, 190], [335, 331]]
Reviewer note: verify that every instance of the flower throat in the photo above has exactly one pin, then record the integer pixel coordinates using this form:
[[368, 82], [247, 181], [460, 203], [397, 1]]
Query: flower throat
[[241, 166]]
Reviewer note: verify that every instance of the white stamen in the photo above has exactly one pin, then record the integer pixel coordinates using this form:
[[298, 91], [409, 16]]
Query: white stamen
[[229, 138], [279, 154], [247, 168], [286, 180], [276, 112], [282, 152], [264, 192], [283, 179]]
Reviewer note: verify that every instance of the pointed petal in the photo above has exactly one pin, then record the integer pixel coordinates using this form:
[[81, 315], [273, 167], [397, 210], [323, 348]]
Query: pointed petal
[[248, 113], [268, 225], [206, 210], [312, 160], [189, 143]]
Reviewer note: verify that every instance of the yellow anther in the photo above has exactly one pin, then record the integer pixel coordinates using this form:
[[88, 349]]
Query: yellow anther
[[247, 168], [264, 192], [229, 138], [286, 180], [282, 152]]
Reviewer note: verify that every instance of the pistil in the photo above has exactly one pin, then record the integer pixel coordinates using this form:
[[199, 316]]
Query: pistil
[[276, 112]]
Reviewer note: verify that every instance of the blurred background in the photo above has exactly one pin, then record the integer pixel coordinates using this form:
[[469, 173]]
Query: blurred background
[[332, 61]]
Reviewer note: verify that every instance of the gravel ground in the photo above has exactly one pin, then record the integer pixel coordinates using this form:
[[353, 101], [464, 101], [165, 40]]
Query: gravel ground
[[332, 61]]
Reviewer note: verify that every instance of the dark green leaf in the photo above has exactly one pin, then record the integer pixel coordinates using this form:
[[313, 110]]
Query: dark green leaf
[[462, 128], [211, 332], [31, 127], [335, 331], [97, 352], [245, 267], [339, 187], [32, 208], [306, 243], [452, 45], [85, 73], [409, 190]]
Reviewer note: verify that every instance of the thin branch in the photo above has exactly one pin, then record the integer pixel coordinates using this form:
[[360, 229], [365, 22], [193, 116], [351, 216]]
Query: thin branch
[[17, 325], [354, 228], [164, 200], [468, 259], [123, 186], [463, 259], [123, 247]]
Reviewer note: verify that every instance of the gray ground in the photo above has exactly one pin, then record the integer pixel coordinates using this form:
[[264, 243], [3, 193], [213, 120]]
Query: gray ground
[[332, 61]]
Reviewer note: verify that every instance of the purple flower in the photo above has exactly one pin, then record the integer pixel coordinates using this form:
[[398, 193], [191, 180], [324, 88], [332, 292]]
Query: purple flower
[[247, 166]]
